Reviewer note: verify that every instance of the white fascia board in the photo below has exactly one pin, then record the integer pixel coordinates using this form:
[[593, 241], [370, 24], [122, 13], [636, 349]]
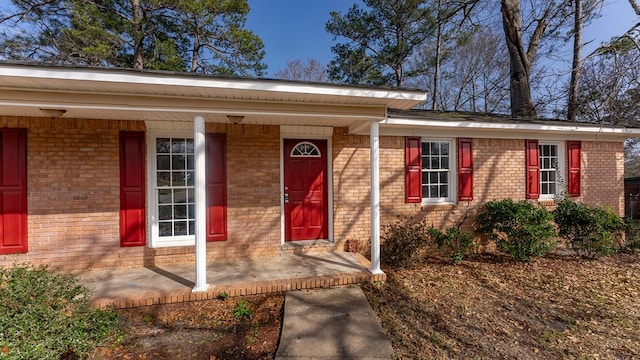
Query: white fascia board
[[132, 77], [397, 126]]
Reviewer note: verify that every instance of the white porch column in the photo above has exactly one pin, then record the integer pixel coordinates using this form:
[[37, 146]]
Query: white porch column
[[201, 203], [374, 134]]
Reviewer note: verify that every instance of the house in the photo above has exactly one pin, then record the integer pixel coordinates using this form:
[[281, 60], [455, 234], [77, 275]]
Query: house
[[125, 168]]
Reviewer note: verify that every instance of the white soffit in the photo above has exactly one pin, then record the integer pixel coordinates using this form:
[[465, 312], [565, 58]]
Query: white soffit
[[398, 126], [108, 81]]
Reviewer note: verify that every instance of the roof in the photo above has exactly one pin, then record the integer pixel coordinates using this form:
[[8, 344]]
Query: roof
[[499, 126], [113, 93]]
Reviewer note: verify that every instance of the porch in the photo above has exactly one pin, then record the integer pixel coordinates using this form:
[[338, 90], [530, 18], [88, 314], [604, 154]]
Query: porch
[[171, 284]]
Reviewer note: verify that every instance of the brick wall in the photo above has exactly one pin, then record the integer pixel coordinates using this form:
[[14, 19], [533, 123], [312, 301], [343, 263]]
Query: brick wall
[[73, 190]]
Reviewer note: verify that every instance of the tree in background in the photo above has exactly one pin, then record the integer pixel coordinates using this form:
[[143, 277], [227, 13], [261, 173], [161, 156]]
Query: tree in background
[[380, 38], [543, 19], [311, 70], [135, 33]]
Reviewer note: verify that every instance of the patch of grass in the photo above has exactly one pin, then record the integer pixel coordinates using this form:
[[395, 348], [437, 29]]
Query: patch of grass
[[47, 316]]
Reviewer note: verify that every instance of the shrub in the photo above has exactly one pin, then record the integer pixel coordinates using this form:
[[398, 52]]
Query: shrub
[[47, 316], [404, 241], [590, 231], [520, 229], [632, 236], [453, 243]]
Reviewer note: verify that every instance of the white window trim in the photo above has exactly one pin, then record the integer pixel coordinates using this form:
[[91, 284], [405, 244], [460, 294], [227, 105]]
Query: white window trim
[[155, 241], [561, 169], [453, 173]]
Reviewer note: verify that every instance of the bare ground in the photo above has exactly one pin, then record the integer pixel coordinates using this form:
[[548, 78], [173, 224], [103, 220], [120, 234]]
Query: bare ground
[[488, 307], [491, 307]]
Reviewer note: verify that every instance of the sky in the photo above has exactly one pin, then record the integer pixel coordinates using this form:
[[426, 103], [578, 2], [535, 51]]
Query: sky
[[295, 29]]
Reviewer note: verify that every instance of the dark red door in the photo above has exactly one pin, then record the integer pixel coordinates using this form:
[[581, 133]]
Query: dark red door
[[305, 189]]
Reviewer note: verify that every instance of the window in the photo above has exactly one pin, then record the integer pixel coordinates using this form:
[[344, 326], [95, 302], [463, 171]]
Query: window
[[430, 171], [175, 187], [548, 169], [545, 169], [171, 191]]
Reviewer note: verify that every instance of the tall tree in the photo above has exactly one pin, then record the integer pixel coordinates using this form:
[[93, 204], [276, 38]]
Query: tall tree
[[380, 38], [155, 34], [311, 70], [546, 18]]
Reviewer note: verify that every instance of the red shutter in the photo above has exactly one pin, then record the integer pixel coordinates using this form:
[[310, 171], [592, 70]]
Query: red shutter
[[13, 191], [532, 154], [465, 169], [216, 187], [574, 150], [413, 169], [132, 189]]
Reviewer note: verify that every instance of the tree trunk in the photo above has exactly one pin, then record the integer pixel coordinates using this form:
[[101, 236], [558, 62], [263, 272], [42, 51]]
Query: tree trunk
[[436, 70], [520, 64], [572, 107], [194, 53], [138, 35]]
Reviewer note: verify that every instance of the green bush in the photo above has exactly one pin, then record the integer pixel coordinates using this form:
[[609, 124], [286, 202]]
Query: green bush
[[590, 231], [47, 316], [242, 310], [632, 236], [520, 229], [404, 241], [453, 243]]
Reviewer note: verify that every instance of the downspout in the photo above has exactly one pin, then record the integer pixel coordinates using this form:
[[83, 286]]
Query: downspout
[[374, 137], [201, 206]]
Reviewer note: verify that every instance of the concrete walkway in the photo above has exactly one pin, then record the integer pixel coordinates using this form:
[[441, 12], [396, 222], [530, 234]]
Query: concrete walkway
[[335, 323]]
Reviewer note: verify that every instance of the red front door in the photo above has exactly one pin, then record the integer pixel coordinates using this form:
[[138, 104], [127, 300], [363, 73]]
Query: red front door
[[305, 189]]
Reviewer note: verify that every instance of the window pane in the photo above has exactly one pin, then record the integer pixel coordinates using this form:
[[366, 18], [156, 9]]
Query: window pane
[[444, 191], [425, 177], [164, 212], [177, 178], [546, 163], [178, 146], [180, 212], [545, 188], [552, 176], [190, 178], [552, 188], [433, 191], [444, 163], [165, 229], [544, 176], [444, 148], [164, 196], [192, 227], [180, 196], [192, 212], [190, 146], [553, 150], [435, 149], [164, 162], [444, 177], [426, 148], [435, 163], [180, 228], [164, 179], [425, 191], [433, 178], [163, 146], [426, 163], [191, 196], [178, 162], [190, 162]]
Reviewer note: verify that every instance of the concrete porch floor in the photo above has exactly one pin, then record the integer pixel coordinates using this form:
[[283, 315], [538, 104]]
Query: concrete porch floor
[[173, 283]]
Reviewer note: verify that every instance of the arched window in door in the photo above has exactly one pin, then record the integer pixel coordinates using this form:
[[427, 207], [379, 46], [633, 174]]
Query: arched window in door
[[305, 149]]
